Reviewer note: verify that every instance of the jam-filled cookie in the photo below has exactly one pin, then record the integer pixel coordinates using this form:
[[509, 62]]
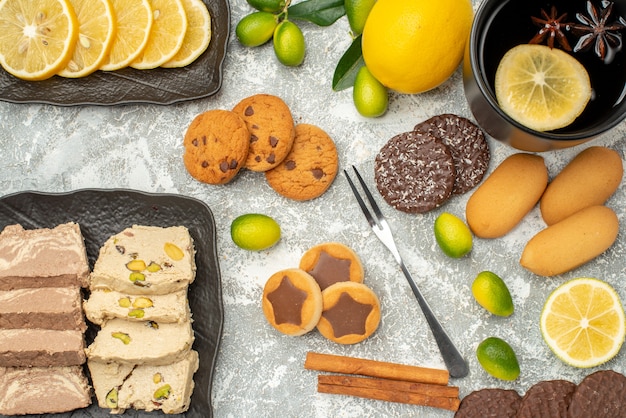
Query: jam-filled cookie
[[310, 167], [271, 127], [216, 146], [351, 312], [332, 262], [292, 301]]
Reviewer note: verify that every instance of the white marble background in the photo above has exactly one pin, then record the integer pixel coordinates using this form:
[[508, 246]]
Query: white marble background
[[260, 372]]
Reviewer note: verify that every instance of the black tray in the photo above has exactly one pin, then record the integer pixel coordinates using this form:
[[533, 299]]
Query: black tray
[[202, 78], [102, 213]]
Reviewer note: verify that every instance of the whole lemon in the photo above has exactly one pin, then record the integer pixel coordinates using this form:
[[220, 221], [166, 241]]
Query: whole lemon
[[412, 46]]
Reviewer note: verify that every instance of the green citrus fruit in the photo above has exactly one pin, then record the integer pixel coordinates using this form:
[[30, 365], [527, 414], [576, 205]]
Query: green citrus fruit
[[491, 293], [289, 44], [256, 28], [357, 12], [498, 359], [370, 97], [254, 231], [453, 235], [272, 6]]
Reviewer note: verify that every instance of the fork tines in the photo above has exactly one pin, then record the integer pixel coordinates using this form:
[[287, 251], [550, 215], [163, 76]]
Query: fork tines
[[379, 216]]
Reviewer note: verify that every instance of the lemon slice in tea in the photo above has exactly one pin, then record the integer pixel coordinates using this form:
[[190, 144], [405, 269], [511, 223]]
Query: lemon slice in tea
[[583, 322], [542, 88]]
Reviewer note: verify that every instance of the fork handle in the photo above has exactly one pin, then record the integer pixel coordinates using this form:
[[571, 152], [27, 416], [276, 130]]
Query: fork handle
[[456, 364]]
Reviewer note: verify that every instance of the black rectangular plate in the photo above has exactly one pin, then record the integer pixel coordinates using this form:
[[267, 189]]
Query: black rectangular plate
[[102, 213], [202, 78]]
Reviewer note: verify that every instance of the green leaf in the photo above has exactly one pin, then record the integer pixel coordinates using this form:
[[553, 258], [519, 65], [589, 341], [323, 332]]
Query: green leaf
[[320, 12], [347, 67]]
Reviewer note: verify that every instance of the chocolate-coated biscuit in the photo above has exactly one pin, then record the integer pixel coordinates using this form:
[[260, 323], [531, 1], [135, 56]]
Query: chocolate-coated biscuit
[[547, 399], [309, 168], [271, 127], [414, 172], [602, 394], [216, 146], [467, 144], [292, 301], [332, 262], [351, 312], [489, 403]]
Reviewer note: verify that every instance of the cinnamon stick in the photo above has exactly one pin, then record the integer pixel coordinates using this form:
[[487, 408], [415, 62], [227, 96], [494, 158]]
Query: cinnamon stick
[[374, 368], [390, 395], [426, 389]]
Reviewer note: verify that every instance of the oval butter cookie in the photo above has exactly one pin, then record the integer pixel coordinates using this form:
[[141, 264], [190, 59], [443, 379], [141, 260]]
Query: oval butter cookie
[[332, 262], [292, 301], [351, 312], [271, 129], [216, 146], [309, 168]]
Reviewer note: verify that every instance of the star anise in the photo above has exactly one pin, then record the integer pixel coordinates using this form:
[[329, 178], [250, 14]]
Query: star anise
[[595, 30], [552, 28]]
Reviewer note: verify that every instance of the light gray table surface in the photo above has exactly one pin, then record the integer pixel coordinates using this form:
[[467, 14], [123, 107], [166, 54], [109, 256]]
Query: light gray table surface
[[259, 372]]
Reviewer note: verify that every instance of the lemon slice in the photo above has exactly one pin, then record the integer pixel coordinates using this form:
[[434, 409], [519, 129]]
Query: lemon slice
[[134, 22], [583, 322], [36, 37], [166, 36], [541, 88], [96, 32], [197, 37]]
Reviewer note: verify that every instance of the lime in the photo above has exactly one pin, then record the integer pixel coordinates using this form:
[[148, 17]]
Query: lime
[[254, 231], [491, 293], [369, 95], [583, 322], [542, 88], [272, 6], [453, 235], [357, 12], [256, 28], [498, 358], [289, 44]]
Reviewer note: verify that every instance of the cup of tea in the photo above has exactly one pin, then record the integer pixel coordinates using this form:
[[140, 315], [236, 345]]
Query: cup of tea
[[576, 26]]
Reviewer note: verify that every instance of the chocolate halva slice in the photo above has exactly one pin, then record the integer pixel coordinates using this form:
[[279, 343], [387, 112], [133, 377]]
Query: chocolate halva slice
[[601, 394], [489, 403], [547, 399], [43, 390], [146, 342], [41, 348], [56, 308], [33, 258], [414, 172], [103, 305], [146, 260], [123, 386]]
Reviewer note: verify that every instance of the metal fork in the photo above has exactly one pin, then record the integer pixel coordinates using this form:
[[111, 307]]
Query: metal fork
[[457, 367]]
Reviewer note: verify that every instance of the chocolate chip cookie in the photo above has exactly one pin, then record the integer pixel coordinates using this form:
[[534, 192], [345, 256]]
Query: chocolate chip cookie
[[310, 167], [216, 146], [271, 127]]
